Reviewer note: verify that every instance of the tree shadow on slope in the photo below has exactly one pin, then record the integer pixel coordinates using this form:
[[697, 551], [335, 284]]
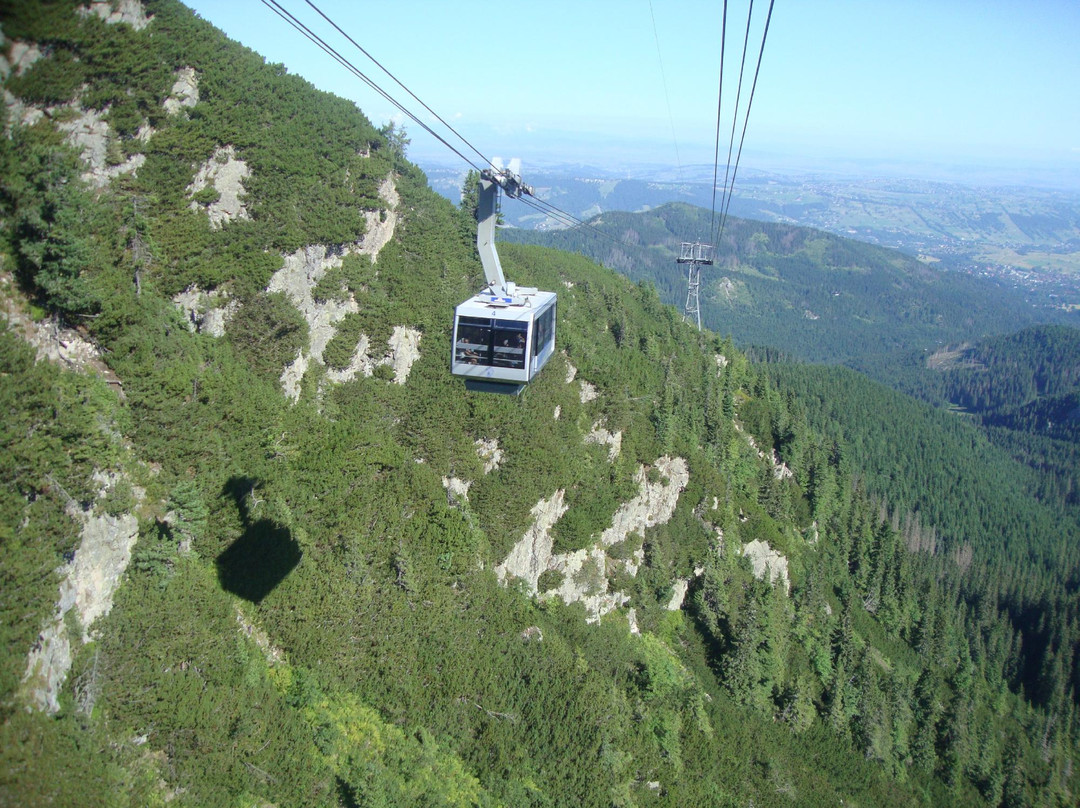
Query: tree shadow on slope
[[253, 565]]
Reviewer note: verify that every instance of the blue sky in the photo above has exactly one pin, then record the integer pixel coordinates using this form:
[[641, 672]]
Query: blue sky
[[616, 82]]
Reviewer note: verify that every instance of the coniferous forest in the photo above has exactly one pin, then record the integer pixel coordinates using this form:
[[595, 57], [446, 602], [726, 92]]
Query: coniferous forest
[[259, 547]]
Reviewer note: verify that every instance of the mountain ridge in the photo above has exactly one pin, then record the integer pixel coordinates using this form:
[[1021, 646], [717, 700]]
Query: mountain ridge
[[312, 613], [813, 295]]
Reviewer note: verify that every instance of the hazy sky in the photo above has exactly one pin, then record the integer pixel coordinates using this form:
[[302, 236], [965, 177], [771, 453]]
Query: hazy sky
[[953, 82]]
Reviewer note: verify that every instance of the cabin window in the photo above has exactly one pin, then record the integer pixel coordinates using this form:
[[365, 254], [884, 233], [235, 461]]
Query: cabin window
[[509, 340], [498, 343], [545, 331]]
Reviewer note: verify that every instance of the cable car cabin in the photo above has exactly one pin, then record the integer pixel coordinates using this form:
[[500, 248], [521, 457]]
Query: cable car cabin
[[506, 334], [498, 346]]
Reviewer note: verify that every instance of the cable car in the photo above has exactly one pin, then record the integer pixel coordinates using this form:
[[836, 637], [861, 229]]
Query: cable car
[[504, 335]]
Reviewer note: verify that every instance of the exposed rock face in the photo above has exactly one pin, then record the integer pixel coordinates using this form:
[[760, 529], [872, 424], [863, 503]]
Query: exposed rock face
[[271, 652], [89, 133], [20, 113], [457, 490], [88, 583], [767, 561], [84, 129], [206, 312], [381, 224], [490, 453], [226, 174], [571, 371], [588, 392], [404, 351], [300, 274], [129, 11], [185, 91], [20, 56], [678, 594], [780, 468], [721, 363], [297, 278], [293, 375], [63, 346], [585, 572], [532, 555], [601, 435], [655, 503]]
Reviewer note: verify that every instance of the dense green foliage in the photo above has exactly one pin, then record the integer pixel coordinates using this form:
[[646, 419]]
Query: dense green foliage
[[312, 617], [813, 295], [1022, 388]]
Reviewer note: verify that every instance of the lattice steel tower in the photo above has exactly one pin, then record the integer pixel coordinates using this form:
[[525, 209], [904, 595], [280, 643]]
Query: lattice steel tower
[[694, 255]]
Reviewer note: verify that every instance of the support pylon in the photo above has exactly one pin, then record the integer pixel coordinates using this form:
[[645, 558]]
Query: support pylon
[[694, 254]]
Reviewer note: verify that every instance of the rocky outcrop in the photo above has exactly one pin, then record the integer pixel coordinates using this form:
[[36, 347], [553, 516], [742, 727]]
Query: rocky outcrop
[[780, 468], [532, 556], [53, 342], [655, 502], [588, 391], [87, 586], [226, 174], [20, 55], [20, 113], [766, 561], [487, 449], [571, 371], [185, 91], [88, 132], [585, 572], [613, 440], [381, 223], [678, 594], [457, 490], [206, 312], [300, 274], [404, 351], [117, 11]]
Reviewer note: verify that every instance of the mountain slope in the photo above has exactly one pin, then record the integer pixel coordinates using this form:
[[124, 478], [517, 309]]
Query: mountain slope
[[812, 295], [1022, 388], [255, 546]]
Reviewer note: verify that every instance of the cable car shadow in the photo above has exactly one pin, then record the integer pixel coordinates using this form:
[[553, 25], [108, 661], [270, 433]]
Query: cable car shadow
[[253, 565]]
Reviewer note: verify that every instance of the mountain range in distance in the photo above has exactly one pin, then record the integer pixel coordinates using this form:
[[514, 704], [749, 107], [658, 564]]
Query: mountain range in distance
[[1023, 237]]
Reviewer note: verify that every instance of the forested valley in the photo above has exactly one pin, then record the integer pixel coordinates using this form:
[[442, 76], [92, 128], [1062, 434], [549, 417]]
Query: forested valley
[[814, 296], [259, 547]]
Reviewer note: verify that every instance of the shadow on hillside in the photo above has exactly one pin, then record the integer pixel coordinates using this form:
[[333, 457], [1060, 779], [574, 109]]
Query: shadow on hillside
[[253, 565]]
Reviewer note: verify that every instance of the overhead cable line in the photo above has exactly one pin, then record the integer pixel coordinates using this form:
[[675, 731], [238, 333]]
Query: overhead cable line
[[402, 86], [541, 206], [719, 108], [746, 117], [276, 7], [734, 119], [667, 97]]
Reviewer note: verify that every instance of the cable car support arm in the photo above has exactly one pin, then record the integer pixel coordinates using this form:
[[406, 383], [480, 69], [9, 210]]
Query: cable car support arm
[[487, 212]]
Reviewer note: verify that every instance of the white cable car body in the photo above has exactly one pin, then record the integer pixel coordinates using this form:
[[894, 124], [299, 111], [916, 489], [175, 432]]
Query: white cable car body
[[504, 335]]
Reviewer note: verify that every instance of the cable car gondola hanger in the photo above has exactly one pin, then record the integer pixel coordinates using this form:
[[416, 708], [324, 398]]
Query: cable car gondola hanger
[[505, 334]]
